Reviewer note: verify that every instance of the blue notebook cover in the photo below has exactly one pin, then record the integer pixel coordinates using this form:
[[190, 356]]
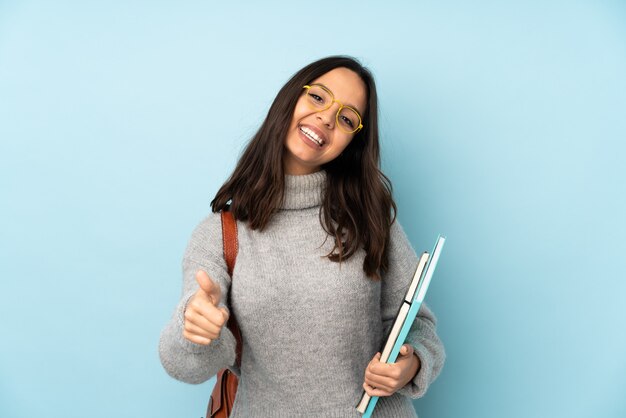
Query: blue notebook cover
[[420, 293]]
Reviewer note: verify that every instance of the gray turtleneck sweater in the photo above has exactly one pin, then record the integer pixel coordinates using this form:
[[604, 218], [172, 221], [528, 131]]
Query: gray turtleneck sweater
[[309, 326]]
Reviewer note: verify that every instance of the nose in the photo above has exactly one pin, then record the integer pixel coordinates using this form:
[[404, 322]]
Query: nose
[[328, 116]]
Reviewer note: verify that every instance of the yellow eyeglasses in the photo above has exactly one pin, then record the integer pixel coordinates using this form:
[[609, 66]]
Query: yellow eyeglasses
[[320, 98]]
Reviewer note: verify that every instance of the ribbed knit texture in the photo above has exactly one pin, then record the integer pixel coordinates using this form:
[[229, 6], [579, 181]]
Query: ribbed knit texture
[[310, 326]]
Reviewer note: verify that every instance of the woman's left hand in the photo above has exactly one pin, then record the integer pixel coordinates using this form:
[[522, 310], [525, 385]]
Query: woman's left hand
[[385, 379]]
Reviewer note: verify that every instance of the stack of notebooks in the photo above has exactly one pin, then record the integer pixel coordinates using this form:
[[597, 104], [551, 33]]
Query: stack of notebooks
[[405, 317]]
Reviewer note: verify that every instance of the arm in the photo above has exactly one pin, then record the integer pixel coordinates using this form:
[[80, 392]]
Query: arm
[[181, 358], [422, 336]]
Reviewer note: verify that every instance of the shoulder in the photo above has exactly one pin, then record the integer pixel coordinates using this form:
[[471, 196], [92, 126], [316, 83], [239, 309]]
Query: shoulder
[[398, 238], [402, 256], [206, 239]]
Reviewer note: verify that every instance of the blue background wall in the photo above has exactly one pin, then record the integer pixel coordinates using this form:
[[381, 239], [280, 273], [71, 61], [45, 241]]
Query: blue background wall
[[503, 128]]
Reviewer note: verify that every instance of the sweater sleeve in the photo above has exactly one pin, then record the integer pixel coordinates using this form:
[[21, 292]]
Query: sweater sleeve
[[182, 359], [422, 335]]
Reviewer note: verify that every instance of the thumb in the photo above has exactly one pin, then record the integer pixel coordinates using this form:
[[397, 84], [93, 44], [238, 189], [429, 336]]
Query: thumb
[[406, 350], [211, 289]]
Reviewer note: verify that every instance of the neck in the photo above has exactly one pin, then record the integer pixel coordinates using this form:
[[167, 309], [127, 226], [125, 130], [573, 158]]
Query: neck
[[292, 169], [304, 190]]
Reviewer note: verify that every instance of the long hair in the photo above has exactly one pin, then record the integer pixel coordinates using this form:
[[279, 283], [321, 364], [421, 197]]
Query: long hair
[[357, 210]]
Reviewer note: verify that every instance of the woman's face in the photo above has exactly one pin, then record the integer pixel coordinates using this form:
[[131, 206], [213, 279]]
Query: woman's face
[[305, 155]]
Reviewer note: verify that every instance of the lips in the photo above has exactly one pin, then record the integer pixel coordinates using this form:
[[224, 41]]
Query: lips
[[314, 134]]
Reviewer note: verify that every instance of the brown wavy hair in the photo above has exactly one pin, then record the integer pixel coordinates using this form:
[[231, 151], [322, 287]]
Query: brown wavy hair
[[358, 203]]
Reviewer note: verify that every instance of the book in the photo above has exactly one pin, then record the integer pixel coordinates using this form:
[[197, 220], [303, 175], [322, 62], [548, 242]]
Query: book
[[405, 317], [401, 316], [404, 309]]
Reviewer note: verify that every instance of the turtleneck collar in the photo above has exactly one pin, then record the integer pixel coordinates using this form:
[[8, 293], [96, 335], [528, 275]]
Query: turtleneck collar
[[304, 191]]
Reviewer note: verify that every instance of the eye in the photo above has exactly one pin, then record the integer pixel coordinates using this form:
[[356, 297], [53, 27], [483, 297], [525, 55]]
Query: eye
[[347, 121], [315, 97]]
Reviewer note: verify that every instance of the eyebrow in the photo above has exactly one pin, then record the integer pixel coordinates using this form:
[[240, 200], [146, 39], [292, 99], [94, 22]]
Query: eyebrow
[[345, 104]]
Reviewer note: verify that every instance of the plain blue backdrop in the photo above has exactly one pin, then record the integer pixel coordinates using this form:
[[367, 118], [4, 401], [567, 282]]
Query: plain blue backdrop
[[503, 127]]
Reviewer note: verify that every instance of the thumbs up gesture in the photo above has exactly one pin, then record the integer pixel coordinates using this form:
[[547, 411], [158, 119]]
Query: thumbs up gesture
[[203, 319]]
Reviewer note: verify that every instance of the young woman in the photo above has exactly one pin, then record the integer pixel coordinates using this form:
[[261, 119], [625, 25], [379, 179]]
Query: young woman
[[322, 265]]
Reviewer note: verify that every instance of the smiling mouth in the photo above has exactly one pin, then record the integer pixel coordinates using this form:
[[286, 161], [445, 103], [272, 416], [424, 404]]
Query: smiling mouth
[[312, 135]]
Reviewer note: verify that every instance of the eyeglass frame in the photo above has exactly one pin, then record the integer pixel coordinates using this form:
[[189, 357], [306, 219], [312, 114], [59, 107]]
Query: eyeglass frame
[[341, 106]]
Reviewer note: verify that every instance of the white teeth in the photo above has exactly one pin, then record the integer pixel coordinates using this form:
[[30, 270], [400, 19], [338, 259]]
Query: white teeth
[[312, 135]]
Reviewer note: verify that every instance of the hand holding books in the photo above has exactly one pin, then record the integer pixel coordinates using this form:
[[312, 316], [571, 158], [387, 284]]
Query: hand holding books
[[384, 379]]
